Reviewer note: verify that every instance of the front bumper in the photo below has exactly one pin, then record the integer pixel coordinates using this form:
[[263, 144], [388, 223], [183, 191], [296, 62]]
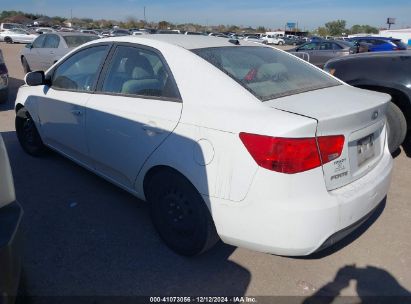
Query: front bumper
[[10, 250], [296, 215]]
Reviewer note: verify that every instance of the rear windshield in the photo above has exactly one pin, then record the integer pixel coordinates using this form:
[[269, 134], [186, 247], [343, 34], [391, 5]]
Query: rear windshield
[[75, 41], [265, 72]]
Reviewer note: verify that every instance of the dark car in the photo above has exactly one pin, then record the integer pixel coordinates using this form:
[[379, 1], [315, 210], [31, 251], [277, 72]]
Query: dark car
[[10, 238], [320, 51], [380, 44], [4, 80], [387, 72], [294, 41], [119, 32]]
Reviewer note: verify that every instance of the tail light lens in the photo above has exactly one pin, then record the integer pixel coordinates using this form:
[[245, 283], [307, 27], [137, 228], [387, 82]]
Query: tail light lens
[[292, 155]]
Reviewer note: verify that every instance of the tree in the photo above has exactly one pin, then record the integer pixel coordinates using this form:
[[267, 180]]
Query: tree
[[336, 28], [163, 25], [322, 31], [356, 29], [261, 29]]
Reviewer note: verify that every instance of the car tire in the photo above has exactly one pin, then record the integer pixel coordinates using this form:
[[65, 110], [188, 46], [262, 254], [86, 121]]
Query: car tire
[[280, 43], [396, 127], [28, 135], [180, 214], [8, 40], [25, 64]]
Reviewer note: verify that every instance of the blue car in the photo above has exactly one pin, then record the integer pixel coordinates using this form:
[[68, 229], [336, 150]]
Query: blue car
[[380, 44]]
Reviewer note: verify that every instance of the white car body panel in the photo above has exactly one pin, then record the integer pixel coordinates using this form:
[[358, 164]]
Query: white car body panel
[[17, 37], [290, 214]]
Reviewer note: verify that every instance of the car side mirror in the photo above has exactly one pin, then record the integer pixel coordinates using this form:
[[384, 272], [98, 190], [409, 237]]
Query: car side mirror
[[29, 46], [35, 78]]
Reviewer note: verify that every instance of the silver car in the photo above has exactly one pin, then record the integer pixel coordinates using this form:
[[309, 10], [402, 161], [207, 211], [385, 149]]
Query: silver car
[[320, 51], [49, 48], [17, 35]]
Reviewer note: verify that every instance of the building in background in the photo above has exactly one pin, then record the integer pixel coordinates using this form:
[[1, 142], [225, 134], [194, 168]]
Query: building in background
[[403, 34]]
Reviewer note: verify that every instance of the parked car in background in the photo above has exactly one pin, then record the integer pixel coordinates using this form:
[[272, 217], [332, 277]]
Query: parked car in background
[[17, 35], [48, 48], [321, 51], [294, 41], [92, 32], [193, 33], [4, 80], [288, 159], [44, 30], [8, 26], [168, 32], [380, 44], [387, 72], [119, 32], [10, 232], [255, 39], [271, 39]]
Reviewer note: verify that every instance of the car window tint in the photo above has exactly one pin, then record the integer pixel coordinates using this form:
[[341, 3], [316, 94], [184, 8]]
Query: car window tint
[[79, 72], [326, 46], [38, 43], [135, 71], [77, 40], [266, 73], [52, 41], [309, 46], [336, 46]]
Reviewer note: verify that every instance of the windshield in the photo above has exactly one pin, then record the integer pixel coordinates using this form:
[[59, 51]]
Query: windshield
[[266, 73], [75, 41]]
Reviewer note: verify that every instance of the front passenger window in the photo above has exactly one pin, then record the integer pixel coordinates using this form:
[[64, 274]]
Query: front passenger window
[[38, 43], [135, 71], [80, 71]]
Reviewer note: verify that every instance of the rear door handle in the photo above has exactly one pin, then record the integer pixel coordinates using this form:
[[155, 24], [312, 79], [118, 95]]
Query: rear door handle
[[77, 112]]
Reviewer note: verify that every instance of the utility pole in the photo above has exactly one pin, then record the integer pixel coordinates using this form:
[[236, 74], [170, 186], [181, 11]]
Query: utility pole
[[71, 17], [145, 20]]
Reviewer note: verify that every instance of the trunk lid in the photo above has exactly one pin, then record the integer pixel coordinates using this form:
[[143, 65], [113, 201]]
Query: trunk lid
[[357, 114]]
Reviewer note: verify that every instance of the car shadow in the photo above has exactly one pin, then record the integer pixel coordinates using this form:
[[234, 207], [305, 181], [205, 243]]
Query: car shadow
[[86, 237], [14, 84], [349, 238], [373, 285]]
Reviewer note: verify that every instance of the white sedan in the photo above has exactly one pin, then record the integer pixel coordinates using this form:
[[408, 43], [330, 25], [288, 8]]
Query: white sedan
[[240, 142], [17, 36]]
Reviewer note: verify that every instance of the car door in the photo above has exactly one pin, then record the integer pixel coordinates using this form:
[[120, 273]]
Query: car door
[[310, 48], [136, 106], [49, 51], [32, 53], [61, 109], [325, 52]]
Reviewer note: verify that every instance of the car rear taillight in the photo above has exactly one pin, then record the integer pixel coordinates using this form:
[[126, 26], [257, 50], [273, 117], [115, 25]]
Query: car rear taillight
[[330, 147], [292, 155], [3, 69]]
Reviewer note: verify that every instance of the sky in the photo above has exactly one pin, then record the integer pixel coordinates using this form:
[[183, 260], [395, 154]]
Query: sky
[[309, 14]]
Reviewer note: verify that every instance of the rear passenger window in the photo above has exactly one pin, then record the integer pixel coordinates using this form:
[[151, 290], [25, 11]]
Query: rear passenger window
[[141, 72]]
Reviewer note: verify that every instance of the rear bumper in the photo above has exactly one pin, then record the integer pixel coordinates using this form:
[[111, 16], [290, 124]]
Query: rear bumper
[[299, 216], [10, 250]]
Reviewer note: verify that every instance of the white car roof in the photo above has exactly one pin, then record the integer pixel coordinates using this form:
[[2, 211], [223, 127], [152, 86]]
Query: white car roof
[[188, 42]]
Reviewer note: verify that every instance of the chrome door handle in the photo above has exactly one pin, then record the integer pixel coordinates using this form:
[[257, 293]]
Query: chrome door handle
[[77, 112]]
